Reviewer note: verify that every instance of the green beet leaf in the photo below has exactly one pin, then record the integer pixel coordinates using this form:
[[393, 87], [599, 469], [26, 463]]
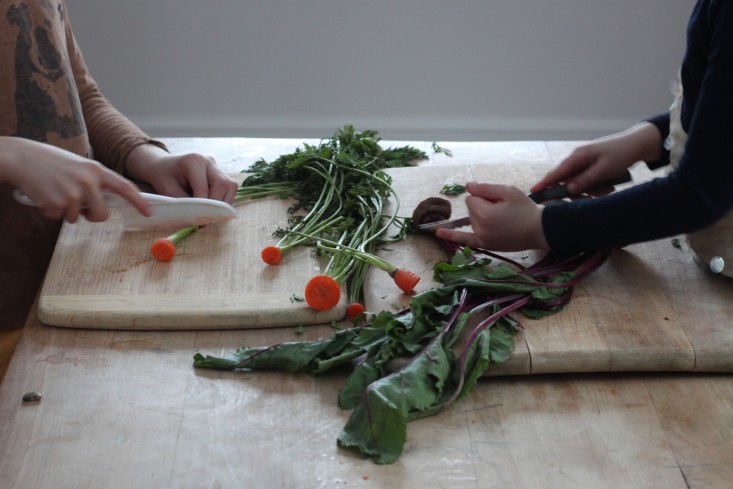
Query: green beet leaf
[[378, 424], [291, 356], [377, 427]]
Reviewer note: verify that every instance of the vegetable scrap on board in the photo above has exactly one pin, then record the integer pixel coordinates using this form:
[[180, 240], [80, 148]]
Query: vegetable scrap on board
[[453, 189]]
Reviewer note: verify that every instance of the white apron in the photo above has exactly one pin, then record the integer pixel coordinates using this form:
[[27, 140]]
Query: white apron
[[715, 242]]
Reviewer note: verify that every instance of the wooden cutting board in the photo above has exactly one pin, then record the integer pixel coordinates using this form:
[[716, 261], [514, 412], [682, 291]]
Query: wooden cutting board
[[650, 307], [102, 276]]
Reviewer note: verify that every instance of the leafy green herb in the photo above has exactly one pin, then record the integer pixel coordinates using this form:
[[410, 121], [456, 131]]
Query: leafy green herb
[[443, 365], [676, 243], [438, 149], [453, 189], [296, 298], [299, 329], [339, 189]]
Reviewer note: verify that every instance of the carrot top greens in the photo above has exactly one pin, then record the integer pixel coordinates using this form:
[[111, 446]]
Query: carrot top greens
[[339, 190]]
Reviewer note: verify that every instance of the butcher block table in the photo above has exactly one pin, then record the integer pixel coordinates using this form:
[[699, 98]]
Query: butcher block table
[[627, 387]]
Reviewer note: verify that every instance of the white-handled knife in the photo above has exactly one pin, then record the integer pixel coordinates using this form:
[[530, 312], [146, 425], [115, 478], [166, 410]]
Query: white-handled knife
[[167, 212]]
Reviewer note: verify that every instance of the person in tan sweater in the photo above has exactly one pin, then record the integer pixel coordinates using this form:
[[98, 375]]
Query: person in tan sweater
[[61, 144]]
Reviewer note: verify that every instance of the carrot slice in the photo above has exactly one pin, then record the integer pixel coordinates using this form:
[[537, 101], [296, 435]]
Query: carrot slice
[[322, 292], [354, 310], [272, 255], [405, 279], [164, 249]]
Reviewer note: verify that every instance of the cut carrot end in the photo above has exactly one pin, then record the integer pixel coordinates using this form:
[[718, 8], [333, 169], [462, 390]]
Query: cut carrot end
[[163, 249], [353, 311], [272, 255], [322, 293], [405, 280]]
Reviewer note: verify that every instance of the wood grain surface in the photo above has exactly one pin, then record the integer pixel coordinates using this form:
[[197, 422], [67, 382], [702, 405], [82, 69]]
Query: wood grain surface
[[125, 409], [621, 318], [626, 316], [103, 276]]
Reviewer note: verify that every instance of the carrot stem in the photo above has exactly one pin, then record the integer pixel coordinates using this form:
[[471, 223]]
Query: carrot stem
[[164, 249], [374, 260], [405, 279]]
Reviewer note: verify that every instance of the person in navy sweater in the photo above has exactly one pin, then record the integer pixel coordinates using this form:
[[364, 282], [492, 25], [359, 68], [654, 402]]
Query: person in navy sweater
[[692, 138]]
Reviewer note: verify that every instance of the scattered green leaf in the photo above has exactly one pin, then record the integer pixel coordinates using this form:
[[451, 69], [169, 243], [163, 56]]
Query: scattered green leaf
[[453, 189], [439, 149]]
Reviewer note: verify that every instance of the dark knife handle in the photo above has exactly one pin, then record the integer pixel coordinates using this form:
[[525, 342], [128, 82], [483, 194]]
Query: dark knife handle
[[558, 192]]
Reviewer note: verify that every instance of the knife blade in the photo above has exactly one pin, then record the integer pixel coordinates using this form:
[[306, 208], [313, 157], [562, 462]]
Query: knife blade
[[446, 224], [167, 212], [560, 191], [556, 192]]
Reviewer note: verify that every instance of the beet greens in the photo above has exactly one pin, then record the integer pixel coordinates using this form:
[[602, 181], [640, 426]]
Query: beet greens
[[476, 297]]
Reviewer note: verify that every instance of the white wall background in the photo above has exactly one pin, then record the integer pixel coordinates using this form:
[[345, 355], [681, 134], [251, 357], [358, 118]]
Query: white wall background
[[411, 69]]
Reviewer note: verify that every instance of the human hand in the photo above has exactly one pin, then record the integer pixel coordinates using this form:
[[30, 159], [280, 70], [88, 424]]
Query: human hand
[[587, 166], [63, 185], [502, 218], [603, 159], [180, 175]]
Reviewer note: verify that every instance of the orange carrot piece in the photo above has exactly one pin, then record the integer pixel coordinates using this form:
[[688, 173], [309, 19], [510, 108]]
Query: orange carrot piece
[[272, 255], [405, 279], [164, 249], [354, 310], [322, 292]]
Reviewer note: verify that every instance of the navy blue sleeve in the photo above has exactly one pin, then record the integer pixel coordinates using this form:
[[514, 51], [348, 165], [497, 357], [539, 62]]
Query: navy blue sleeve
[[700, 190]]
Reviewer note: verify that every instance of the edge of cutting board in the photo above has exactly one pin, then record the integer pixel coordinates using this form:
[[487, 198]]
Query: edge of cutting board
[[182, 311]]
